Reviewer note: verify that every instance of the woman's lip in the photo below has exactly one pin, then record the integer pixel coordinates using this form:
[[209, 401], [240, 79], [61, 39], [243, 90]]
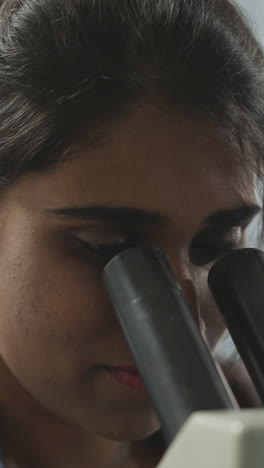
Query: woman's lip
[[131, 369], [129, 377]]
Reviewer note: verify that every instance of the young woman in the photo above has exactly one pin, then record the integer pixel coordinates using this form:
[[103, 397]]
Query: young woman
[[122, 122]]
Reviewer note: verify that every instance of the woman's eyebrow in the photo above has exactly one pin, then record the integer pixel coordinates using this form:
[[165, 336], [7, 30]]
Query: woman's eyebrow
[[127, 215], [233, 217], [112, 214]]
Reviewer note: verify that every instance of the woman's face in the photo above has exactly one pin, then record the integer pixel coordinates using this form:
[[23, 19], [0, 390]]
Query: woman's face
[[158, 180]]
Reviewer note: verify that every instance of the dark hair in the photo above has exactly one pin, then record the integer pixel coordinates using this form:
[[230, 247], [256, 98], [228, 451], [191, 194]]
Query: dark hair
[[70, 67]]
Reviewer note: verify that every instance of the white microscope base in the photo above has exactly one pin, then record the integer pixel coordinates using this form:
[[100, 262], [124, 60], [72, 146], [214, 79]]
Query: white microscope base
[[219, 439]]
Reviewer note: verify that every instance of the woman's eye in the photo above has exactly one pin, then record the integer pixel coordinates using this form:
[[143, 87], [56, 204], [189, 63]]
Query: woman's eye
[[99, 253], [212, 243], [201, 255]]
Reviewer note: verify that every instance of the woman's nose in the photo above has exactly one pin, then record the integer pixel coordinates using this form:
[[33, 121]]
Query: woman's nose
[[185, 279]]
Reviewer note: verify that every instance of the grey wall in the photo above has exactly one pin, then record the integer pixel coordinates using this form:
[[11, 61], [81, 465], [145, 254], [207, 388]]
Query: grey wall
[[255, 10]]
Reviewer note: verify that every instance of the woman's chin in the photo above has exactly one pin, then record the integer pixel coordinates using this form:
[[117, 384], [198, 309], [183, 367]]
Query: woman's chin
[[129, 429]]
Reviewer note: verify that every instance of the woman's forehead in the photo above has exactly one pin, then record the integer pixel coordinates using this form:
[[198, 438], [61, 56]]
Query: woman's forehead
[[155, 148], [151, 134], [151, 161]]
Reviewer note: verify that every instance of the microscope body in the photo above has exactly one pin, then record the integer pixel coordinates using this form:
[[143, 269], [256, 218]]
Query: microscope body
[[218, 439]]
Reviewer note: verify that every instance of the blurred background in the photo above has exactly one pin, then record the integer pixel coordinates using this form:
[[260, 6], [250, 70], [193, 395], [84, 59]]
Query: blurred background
[[255, 11]]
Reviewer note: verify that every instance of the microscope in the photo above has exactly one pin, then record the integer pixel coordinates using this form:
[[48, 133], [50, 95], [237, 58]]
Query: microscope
[[201, 422]]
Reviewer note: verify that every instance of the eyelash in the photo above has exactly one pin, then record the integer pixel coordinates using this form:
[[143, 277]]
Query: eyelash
[[200, 255], [205, 255], [99, 253]]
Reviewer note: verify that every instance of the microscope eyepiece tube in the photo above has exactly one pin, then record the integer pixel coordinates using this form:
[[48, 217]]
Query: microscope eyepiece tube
[[237, 284], [173, 360]]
